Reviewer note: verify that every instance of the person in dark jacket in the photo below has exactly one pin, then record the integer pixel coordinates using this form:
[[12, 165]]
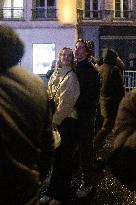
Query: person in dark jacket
[[122, 160], [86, 106], [26, 142], [111, 92], [50, 72]]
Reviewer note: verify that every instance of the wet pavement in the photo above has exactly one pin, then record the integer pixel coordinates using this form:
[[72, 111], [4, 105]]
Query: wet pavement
[[108, 190]]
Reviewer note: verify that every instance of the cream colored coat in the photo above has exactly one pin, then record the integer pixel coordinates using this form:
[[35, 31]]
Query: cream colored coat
[[66, 95]]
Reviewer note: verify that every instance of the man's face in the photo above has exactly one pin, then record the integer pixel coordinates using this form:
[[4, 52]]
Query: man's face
[[80, 51]]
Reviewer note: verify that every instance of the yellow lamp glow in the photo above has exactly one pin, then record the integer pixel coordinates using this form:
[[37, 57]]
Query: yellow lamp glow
[[67, 11]]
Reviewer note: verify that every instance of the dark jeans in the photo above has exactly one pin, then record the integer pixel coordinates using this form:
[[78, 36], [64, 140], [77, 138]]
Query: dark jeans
[[59, 187], [85, 135]]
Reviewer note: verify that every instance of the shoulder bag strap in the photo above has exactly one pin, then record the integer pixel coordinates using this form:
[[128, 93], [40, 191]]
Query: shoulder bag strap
[[60, 83]]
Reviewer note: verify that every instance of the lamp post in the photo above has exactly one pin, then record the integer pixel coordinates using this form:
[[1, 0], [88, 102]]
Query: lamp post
[[70, 12]]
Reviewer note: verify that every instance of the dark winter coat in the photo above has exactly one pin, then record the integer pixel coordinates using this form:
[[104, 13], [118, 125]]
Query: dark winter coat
[[89, 86], [112, 89], [25, 129], [25, 135], [123, 157]]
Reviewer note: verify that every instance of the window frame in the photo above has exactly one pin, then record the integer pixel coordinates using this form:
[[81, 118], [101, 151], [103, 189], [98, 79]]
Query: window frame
[[44, 11], [91, 9], [11, 11], [120, 12]]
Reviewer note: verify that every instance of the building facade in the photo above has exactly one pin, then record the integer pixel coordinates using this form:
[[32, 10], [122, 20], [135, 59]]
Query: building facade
[[109, 23], [37, 23]]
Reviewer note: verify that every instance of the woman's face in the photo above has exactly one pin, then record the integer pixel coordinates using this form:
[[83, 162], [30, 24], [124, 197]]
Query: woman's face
[[66, 57]]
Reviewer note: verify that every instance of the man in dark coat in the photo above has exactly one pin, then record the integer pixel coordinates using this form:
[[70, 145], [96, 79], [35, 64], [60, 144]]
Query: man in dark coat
[[86, 106], [25, 132]]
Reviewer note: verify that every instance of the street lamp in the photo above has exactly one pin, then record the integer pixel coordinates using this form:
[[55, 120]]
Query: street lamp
[[71, 12], [67, 11]]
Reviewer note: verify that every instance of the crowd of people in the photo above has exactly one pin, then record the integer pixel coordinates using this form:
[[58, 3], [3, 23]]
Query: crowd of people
[[77, 101], [89, 102]]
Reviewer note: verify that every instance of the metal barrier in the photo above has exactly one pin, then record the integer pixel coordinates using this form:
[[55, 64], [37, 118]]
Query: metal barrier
[[129, 80]]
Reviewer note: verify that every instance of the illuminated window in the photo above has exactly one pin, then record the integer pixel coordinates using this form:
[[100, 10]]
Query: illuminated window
[[121, 8], [43, 55], [13, 9]]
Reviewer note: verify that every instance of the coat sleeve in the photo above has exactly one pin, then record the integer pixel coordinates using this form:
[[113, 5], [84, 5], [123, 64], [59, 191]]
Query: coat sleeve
[[118, 83]]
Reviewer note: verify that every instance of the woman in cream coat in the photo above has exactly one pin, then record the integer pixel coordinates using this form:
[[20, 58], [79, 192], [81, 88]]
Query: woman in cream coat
[[64, 87]]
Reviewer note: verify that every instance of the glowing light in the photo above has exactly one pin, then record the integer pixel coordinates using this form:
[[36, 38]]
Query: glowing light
[[67, 11]]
